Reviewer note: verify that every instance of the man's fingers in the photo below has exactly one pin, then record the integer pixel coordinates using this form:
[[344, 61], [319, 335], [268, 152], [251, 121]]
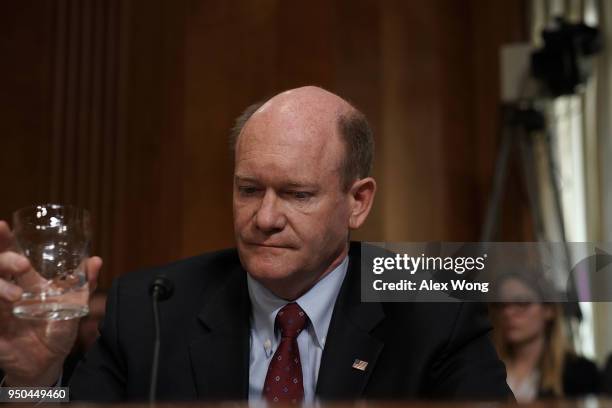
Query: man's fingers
[[6, 236], [12, 264], [93, 269], [9, 292]]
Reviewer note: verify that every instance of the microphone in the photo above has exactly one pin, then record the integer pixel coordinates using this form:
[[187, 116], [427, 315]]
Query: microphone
[[160, 289]]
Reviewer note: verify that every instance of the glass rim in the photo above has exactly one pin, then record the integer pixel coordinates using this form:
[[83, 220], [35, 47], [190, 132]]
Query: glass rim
[[20, 214]]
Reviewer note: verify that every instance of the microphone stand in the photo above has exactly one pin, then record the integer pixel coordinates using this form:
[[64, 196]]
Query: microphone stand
[[160, 289]]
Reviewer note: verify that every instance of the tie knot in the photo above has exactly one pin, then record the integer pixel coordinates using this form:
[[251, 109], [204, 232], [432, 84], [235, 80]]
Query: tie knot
[[291, 320]]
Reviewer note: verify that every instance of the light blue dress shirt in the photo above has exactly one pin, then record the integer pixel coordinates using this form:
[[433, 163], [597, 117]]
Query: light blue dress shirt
[[317, 303]]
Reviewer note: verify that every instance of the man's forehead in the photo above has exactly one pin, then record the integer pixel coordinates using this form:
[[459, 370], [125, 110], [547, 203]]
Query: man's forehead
[[310, 109], [299, 125]]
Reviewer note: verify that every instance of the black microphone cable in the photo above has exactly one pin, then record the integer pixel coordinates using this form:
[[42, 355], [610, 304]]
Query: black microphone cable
[[160, 289]]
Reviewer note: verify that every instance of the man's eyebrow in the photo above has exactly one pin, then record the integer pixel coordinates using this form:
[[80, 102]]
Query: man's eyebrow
[[294, 184], [244, 178], [284, 184]]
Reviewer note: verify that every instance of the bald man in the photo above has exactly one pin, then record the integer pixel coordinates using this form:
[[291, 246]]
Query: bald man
[[280, 318]]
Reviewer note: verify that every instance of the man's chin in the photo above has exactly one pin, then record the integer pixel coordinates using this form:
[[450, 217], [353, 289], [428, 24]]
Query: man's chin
[[269, 271], [263, 257]]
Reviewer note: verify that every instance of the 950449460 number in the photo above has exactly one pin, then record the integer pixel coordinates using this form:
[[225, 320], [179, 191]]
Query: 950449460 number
[[34, 394]]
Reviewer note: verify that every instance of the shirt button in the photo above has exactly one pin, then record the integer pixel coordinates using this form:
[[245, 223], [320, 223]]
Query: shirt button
[[267, 345]]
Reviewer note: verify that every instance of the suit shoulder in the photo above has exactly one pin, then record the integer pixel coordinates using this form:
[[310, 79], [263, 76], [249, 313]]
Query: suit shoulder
[[580, 366], [580, 376], [447, 321]]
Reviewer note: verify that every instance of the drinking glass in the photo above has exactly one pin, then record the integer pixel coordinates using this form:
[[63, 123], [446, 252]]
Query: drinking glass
[[55, 239]]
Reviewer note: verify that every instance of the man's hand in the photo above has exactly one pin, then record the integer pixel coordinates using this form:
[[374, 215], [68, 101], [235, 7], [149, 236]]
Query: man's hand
[[31, 352]]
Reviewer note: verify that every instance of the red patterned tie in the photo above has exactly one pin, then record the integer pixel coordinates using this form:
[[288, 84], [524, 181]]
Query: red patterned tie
[[284, 379]]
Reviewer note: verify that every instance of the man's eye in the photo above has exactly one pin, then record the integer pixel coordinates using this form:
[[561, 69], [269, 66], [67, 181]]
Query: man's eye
[[301, 195], [247, 190]]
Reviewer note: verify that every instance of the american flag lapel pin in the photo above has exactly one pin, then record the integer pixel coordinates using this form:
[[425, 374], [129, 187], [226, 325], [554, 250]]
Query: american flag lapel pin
[[360, 364]]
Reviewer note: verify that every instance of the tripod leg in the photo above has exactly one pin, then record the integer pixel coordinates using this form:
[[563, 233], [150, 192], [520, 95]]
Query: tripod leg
[[499, 179], [530, 176], [572, 307]]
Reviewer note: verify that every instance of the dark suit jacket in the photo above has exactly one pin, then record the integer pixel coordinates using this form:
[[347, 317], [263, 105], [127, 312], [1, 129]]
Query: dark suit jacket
[[580, 378], [413, 350], [606, 377]]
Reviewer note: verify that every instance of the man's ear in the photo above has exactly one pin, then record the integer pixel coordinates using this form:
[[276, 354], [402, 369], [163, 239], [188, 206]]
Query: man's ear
[[361, 198]]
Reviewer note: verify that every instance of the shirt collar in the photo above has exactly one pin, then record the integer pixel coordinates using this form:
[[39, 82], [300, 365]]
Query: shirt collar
[[317, 303]]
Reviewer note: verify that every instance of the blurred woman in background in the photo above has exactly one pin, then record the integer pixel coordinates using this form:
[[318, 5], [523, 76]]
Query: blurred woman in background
[[530, 338]]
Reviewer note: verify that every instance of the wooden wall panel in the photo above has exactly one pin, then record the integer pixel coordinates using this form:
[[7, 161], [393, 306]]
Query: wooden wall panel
[[151, 210], [414, 64], [124, 107], [72, 137], [488, 32], [357, 76], [230, 63], [306, 43], [440, 87], [86, 130], [25, 101]]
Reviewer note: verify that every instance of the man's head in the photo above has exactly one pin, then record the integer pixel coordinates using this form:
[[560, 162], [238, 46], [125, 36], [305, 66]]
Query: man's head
[[302, 161]]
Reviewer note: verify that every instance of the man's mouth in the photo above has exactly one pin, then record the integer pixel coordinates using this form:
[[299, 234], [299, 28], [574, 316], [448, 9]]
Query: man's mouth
[[267, 245]]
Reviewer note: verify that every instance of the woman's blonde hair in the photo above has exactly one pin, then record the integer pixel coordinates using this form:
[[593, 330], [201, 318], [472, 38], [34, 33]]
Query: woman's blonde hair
[[555, 348]]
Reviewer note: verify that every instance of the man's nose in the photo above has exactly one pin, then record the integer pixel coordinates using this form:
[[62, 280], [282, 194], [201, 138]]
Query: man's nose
[[270, 217]]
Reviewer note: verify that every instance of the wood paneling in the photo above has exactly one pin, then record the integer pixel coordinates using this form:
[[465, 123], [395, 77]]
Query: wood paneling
[[152, 208], [86, 131], [230, 63], [418, 70], [124, 107], [494, 24], [358, 78], [26, 32]]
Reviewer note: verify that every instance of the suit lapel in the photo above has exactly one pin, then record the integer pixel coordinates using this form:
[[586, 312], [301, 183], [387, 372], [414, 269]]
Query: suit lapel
[[220, 357], [349, 339]]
